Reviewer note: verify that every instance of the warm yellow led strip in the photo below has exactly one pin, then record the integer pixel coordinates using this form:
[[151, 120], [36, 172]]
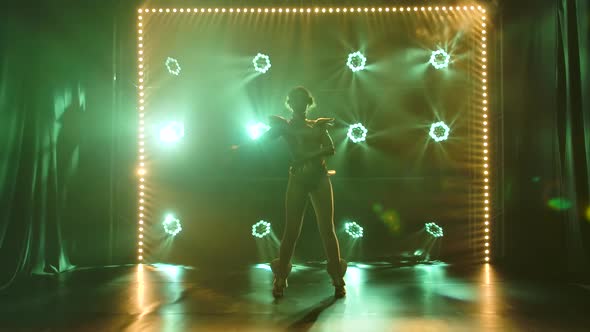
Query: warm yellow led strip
[[482, 58]]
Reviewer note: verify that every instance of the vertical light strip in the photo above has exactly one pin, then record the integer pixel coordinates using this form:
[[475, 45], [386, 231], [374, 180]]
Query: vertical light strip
[[485, 136], [141, 113]]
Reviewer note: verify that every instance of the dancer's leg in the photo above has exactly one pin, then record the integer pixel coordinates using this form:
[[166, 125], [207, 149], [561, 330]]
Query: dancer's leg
[[295, 205], [323, 203]]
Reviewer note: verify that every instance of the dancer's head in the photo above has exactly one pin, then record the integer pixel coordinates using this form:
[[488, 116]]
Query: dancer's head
[[299, 100]]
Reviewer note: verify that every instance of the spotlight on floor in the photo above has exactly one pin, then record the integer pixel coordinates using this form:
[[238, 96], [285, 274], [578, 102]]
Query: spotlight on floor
[[439, 131], [173, 66], [357, 133], [172, 132], [434, 229], [172, 225], [440, 59], [356, 61], [353, 229], [261, 229], [261, 63], [256, 130]]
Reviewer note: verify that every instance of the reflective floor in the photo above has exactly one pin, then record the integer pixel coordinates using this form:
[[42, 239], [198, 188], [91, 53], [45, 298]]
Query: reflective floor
[[428, 297]]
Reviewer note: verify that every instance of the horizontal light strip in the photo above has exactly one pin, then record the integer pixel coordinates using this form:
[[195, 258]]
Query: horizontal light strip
[[314, 10]]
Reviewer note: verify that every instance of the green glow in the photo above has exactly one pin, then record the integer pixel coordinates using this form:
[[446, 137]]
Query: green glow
[[172, 271], [357, 133], [256, 130], [261, 229], [172, 132], [173, 66], [440, 59], [261, 63], [439, 131], [353, 229], [263, 267], [356, 61], [560, 204], [172, 225], [434, 229]]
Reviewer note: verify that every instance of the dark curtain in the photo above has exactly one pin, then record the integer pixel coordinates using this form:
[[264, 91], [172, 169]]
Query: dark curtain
[[30, 223], [543, 223], [573, 121], [67, 139]]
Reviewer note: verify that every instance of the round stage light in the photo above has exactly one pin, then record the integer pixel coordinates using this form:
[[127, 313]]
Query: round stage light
[[261, 229], [353, 229], [439, 131], [356, 61], [172, 225], [256, 130], [172, 132], [357, 133], [261, 63], [173, 66], [434, 229], [440, 59]]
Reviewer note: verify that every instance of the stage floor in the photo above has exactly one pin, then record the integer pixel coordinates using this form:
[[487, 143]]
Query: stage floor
[[427, 297]]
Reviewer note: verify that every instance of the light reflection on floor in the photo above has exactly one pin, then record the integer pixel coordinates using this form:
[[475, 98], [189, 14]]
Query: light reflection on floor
[[381, 297]]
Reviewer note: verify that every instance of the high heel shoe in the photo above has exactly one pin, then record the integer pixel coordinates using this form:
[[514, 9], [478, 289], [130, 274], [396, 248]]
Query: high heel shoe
[[337, 272], [280, 277]]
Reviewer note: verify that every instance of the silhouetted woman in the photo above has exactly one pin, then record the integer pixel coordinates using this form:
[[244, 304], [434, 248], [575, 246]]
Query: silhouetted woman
[[309, 144]]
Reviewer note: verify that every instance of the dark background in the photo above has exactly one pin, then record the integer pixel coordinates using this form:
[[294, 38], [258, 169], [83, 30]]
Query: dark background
[[68, 196]]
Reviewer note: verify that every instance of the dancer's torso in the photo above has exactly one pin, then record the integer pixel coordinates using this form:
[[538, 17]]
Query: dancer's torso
[[304, 138]]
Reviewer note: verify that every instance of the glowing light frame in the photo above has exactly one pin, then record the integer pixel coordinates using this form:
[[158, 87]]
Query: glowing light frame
[[478, 13]]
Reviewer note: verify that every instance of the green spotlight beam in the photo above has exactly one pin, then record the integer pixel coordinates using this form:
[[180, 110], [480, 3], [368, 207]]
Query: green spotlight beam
[[256, 130], [172, 132]]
